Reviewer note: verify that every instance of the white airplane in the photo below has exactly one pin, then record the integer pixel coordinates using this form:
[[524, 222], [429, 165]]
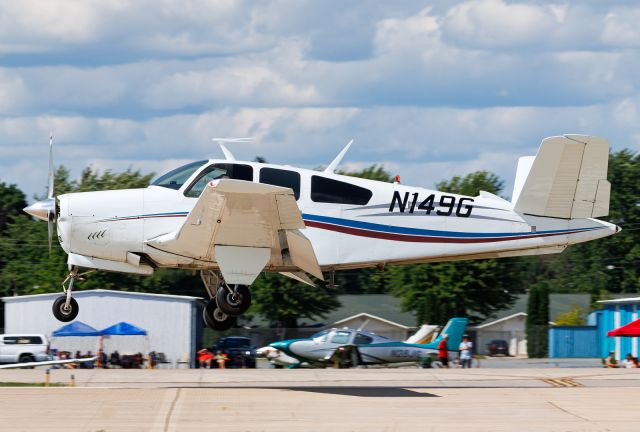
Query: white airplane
[[235, 219]]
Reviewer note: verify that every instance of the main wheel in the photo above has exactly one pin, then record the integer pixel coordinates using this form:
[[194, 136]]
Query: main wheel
[[215, 319], [63, 313], [233, 300]]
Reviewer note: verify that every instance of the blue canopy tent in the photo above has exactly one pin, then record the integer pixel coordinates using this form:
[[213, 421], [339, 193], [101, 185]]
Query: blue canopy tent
[[123, 329], [74, 329], [77, 328]]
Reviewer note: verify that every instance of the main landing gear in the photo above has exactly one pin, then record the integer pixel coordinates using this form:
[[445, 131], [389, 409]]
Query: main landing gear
[[226, 301]]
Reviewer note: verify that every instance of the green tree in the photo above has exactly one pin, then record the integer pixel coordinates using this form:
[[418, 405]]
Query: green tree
[[12, 201], [283, 301], [373, 172], [472, 184], [572, 317], [538, 321]]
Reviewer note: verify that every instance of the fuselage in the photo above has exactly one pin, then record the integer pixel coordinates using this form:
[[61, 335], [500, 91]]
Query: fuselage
[[372, 348], [351, 222]]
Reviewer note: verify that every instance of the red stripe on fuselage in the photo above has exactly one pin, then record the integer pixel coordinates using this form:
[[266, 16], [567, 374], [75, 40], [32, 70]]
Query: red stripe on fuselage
[[420, 239]]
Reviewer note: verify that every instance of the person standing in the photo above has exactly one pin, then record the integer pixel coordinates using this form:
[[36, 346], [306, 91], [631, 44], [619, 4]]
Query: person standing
[[466, 354], [204, 358], [443, 351]]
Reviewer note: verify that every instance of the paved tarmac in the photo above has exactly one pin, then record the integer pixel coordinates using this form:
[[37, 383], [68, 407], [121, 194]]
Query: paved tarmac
[[550, 399]]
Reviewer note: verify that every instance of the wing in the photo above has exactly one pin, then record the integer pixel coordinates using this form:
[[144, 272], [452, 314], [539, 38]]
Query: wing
[[567, 179], [47, 363], [244, 227]]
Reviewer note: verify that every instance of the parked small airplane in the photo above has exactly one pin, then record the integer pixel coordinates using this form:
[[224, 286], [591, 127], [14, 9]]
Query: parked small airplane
[[232, 220], [424, 334], [364, 348]]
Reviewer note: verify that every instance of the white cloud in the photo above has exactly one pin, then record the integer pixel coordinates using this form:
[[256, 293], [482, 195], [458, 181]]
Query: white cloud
[[495, 23], [621, 27]]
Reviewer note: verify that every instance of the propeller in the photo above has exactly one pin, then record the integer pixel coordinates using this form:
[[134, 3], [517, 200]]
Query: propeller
[[51, 212], [46, 209]]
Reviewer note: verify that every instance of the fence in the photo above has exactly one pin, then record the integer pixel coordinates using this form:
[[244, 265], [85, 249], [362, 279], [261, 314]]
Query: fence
[[574, 341]]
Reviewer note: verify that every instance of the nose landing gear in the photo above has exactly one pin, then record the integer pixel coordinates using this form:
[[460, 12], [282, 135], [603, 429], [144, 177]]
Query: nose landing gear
[[65, 308], [226, 302]]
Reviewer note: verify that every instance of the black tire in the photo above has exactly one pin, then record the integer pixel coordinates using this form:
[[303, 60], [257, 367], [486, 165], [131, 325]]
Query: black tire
[[65, 315], [233, 302], [26, 358], [215, 319]]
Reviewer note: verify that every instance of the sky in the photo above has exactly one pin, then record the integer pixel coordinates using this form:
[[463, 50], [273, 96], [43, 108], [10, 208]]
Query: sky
[[429, 89]]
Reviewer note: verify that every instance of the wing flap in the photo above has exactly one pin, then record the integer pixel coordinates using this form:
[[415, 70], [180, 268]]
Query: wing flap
[[302, 254]]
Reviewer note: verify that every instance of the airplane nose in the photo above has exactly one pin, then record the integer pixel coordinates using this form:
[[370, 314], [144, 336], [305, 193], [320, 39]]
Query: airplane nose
[[280, 345], [41, 209]]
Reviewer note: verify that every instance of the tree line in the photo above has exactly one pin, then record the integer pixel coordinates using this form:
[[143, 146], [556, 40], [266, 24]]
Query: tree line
[[434, 292]]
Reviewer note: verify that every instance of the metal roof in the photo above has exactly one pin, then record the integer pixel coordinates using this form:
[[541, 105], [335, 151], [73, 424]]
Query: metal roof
[[382, 306], [621, 300], [374, 317]]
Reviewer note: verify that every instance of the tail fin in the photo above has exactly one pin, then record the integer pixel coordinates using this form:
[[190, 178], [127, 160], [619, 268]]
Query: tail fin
[[567, 179], [455, 329]]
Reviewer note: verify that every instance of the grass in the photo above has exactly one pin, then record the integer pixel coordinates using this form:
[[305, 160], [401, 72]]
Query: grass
[[29, 384]]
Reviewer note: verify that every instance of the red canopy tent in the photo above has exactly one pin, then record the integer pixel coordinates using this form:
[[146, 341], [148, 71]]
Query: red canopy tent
[[631, 329]]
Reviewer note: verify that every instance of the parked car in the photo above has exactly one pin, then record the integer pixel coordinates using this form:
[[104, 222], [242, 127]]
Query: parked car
[[239, 350], [498, 347], [23, 348]]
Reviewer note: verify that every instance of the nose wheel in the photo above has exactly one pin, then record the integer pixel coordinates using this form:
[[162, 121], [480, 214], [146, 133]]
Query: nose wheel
[[65, 312]]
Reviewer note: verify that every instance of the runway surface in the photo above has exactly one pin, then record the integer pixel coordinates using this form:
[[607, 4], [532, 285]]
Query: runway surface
[[322, 400]]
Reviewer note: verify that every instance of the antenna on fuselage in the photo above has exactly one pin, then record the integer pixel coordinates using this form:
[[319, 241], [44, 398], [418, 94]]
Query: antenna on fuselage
[[227, 153], [334, 163]]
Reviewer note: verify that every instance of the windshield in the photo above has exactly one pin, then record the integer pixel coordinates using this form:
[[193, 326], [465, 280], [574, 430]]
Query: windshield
[[320, 336], [176, 178], [219, 171]]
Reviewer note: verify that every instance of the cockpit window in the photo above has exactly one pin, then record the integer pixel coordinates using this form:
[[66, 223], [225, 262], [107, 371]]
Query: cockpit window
[[341, 337], [176, 178], [362, 339], [219, 171], [284, 178], [320, 336], [326, 190]]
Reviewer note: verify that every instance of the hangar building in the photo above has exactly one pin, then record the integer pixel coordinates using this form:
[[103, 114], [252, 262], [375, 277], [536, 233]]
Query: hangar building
[[173, 323]]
